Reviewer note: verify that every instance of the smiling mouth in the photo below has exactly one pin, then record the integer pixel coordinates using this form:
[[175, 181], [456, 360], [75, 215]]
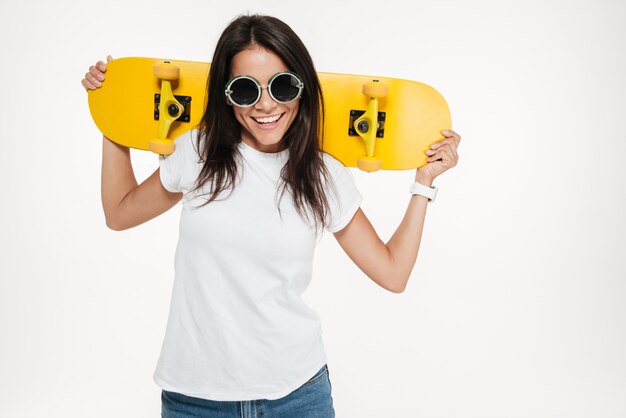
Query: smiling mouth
[[268, 120]]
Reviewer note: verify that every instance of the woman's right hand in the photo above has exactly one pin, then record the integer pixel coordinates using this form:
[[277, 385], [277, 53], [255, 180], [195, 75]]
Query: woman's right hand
[[95, 76]]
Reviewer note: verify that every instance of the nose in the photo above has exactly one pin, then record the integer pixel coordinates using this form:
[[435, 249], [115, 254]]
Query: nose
[[265, 102]]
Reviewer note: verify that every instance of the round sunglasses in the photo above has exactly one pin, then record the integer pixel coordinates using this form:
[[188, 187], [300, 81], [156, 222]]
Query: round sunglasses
[[283, 87]]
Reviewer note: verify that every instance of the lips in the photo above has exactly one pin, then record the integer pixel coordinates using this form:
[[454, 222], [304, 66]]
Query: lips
[[266, 120]]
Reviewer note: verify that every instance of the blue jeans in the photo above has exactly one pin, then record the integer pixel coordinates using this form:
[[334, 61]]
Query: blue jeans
[[311, 400]]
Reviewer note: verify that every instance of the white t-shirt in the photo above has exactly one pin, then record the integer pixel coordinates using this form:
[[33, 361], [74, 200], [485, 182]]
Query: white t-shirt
[[238, 328]]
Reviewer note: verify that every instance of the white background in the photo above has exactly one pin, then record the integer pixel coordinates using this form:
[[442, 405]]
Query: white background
[[516, 306]]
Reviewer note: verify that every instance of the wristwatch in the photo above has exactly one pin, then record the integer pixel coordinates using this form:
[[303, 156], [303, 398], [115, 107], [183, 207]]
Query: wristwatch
[[420, 189]]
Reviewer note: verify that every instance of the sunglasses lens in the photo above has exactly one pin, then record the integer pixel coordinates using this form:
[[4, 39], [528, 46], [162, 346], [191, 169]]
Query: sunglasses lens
[[285, 87], [244, 92]]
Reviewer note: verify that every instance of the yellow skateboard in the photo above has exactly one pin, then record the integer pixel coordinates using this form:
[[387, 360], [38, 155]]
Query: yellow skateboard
[[371, 122]]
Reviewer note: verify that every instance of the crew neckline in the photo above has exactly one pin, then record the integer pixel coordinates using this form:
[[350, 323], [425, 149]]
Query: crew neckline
[[249, 151]]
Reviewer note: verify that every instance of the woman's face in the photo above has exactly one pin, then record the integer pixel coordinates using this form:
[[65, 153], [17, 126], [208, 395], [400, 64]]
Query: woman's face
[[264, 124]]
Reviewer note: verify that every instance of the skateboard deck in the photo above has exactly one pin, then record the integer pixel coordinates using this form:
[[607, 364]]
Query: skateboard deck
[[370, 122]]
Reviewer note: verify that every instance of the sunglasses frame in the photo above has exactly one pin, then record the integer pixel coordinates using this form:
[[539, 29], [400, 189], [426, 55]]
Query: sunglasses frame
[[260, 88]]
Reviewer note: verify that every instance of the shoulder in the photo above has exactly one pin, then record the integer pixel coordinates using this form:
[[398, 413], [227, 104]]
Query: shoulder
[[338, 172], [345, 198], [185, 150], [187, 143], [180, 169], [334, 166], [339, 176]]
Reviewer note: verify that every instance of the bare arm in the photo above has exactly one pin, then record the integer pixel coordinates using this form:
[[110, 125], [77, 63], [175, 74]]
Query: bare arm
[[390, 264], [126, 204]]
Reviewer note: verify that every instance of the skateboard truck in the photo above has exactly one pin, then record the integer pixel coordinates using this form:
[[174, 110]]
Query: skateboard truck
[[367, 126], [169, 108], [184, 100], [356, 114]]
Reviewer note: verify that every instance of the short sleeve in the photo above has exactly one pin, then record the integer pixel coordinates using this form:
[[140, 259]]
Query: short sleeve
[[344, 199], [179, 170]]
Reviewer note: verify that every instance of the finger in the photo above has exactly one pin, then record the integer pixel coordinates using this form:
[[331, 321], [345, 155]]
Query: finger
[[87, 85], [93, 80], [441, 143], [448, 159], [445, 156], [451, 148], [90, 85], [96, 73], [445, 162], [102, 66], [435, 157], [437, 144], [433, 151], [449, 133]]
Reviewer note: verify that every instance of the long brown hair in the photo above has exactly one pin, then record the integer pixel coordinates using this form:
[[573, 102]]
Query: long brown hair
[[305, 173]]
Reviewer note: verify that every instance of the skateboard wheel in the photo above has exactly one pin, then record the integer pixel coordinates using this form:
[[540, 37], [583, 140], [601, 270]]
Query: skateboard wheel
[[375, 89], [166, 71], [162, 146], [369, 164]]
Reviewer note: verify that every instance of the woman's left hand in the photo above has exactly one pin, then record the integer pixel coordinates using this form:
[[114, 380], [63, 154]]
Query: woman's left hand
[[442, 156]]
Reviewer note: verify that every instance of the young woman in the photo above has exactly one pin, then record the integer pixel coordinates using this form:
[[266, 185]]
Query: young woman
[[256, 190]]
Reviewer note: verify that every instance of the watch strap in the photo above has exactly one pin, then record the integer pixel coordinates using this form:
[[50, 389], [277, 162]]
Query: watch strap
[[420, 189]]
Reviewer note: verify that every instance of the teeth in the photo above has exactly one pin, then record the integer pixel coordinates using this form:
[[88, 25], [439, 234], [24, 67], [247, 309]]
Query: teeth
[[269, 119]]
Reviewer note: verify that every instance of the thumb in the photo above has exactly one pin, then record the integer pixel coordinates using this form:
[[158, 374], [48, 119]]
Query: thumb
[[109, 58]]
